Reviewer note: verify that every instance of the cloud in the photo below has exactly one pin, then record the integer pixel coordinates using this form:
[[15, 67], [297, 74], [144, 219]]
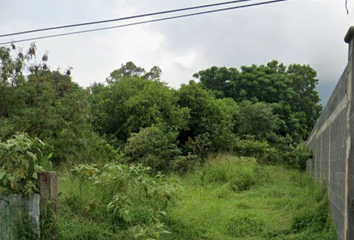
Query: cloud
[[305, 32]]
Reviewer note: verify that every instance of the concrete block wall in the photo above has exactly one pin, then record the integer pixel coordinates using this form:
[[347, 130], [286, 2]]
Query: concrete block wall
[[333, 154], [327, 142]]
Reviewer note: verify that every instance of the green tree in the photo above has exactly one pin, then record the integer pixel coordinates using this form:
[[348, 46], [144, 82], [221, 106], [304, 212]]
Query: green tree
[[124, 107], [257, 120], [131, 70], [153, 146], [291, 89], [220, 80], [45, 104], [212, 119], [306, 99]]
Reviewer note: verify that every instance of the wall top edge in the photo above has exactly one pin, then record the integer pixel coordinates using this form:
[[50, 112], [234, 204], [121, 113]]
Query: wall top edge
[[349, 35]]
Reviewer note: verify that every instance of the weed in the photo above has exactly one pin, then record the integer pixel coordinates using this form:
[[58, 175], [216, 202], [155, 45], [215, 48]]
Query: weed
[[229, 198]]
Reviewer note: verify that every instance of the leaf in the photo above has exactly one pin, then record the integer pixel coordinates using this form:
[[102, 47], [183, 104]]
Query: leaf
[[41, 142], [32, 155], [2, 174], [11, 178]]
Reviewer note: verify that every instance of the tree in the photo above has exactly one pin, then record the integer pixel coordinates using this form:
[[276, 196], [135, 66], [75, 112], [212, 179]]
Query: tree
[[257, 120], [131, 70], [124, 107], [214, 120], [219, 80], [154, 146], [306, 99], [291, 90], [43, 103]]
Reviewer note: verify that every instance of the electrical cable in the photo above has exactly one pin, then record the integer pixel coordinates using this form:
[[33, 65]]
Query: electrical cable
[[143, 22], [121, 19]]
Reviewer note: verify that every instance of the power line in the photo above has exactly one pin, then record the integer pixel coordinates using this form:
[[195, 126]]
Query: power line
[[143, 22], [121, 19]]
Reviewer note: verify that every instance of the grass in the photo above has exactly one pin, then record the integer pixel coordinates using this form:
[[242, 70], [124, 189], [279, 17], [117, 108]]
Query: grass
[[228, 198], [235, 198]]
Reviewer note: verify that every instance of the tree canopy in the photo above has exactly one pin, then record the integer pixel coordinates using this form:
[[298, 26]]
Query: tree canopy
[[123, 107], [292, 89], [43, 103], [255, 110]]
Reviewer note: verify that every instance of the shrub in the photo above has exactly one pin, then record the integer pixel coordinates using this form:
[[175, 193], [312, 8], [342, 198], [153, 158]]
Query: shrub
[[20, 159], [126, 199], [299, 156], [154, 147], [184, 164], [262, 151]]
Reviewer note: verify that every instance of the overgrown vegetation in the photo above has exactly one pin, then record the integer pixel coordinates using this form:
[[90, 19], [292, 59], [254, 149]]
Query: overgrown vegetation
[[228, 198], [237, 198], [115, 202], [133, 154], [20, 160]]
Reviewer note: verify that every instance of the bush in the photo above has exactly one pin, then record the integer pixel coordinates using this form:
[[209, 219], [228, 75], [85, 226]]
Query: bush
[[20, 159], [154, 147], [122, 201], [185, 164], [299, 156], [262, 151]]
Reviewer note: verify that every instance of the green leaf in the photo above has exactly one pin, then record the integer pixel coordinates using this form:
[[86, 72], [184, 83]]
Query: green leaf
[[2, 174], [33, 156]]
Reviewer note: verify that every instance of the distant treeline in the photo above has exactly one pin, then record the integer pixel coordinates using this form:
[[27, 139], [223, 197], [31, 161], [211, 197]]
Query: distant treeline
[[264, 111]]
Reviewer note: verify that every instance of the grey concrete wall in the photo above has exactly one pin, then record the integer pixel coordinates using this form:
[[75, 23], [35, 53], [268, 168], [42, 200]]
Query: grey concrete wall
[[330, 141], [327, 142]]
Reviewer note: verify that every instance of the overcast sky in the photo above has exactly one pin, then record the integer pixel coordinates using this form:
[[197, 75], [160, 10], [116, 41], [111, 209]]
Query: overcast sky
[[298, 31]]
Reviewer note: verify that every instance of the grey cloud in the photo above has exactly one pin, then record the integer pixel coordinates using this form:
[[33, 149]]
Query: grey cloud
[[304, 32]]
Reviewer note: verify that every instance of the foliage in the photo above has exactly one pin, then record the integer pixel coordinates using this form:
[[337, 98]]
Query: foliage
[[257, 120], [212, 120], [121, 201], [199, 146], [64, 111], [130, 70], [299, 156], [262, 151], [153, 146], [43, 103], [227, 198], [20, 160], [258, 112], [185, 164], [125, 106], [291, 88]]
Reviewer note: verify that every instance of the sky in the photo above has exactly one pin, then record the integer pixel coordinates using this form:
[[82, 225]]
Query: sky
[[298, 31]]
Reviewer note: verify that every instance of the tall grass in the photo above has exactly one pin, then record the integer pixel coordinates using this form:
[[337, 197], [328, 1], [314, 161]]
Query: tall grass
[[236, 198], [228, 198]]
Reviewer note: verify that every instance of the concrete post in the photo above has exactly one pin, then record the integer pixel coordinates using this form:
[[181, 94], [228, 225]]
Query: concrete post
[[49, 204], [19, 215]]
